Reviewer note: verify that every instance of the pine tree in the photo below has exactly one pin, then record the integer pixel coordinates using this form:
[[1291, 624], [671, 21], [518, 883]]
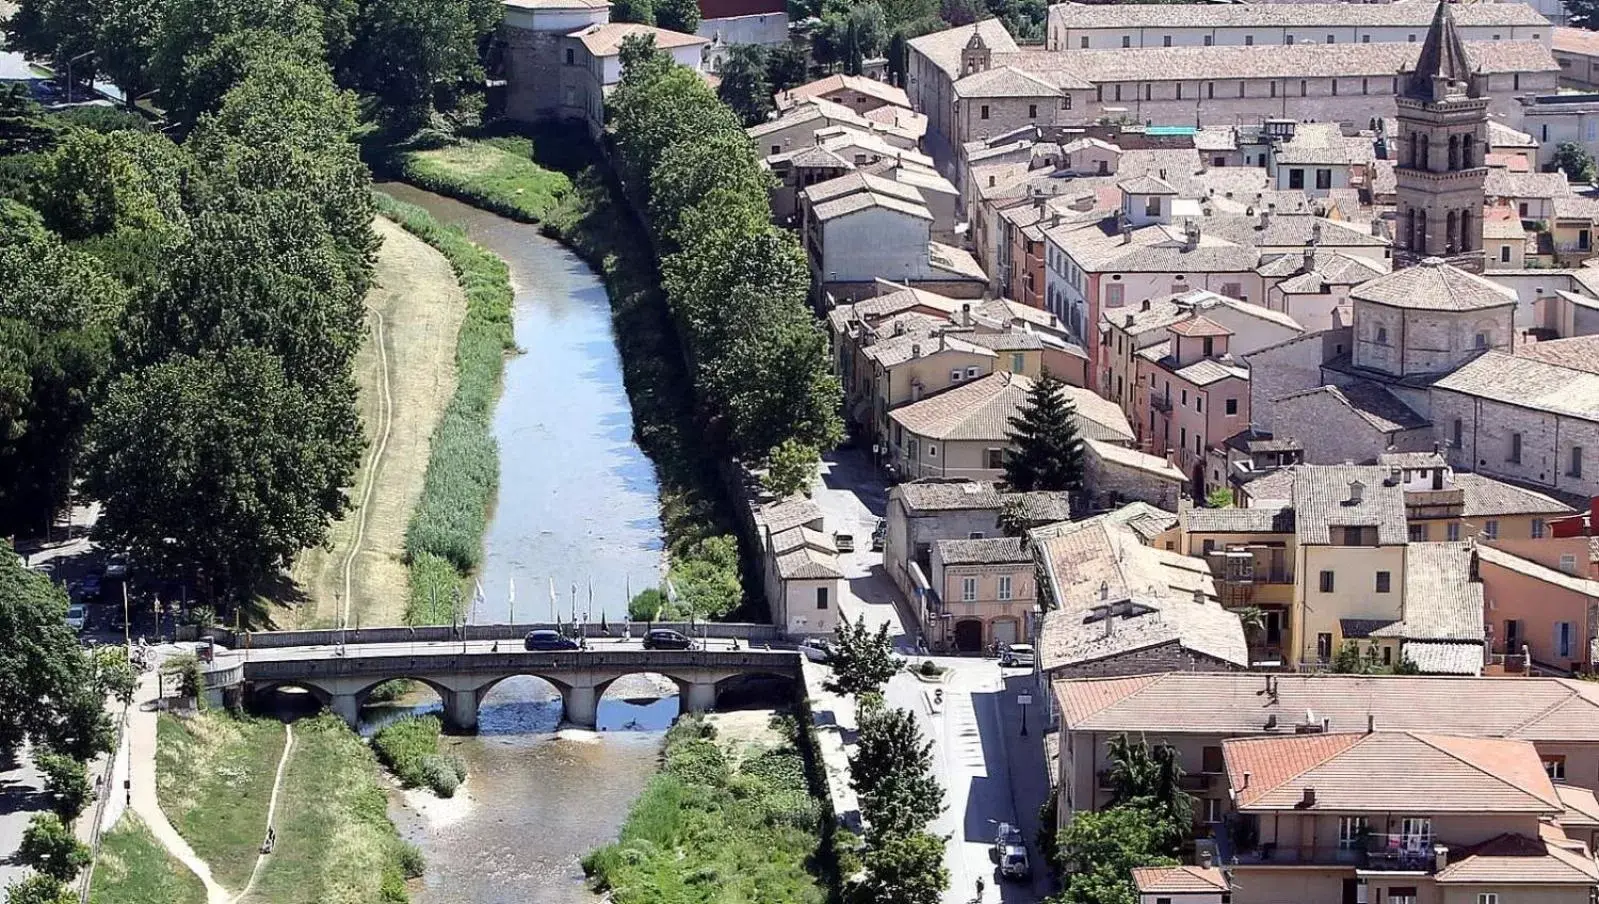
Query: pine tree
[[1046, 452]]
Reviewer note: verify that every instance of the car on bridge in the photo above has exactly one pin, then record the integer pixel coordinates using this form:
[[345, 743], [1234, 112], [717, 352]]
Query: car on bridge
[[545, 640], [666, 639]]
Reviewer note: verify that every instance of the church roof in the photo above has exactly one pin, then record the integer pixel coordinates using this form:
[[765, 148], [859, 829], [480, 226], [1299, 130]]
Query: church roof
[[1433, 285], [1443, 55]]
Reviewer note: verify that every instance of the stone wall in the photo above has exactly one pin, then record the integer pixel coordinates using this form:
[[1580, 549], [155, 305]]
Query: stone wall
[[1289, 367], [1546, 442], [1110, 483], [1333, 434]]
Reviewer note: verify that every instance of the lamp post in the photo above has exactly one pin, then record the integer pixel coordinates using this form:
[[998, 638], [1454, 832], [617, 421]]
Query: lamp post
[[1023, 700], [70, 61]]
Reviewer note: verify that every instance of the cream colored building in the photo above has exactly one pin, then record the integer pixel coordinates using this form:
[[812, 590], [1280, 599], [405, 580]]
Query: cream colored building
[[985, 595]]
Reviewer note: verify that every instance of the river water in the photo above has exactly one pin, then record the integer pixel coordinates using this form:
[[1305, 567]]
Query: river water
[[577, 505]]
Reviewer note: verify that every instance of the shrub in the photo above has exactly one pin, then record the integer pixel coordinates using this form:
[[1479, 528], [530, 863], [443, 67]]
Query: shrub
[[698, 761], [930, 669], [463, 467], [409, 747], [410, 859], [497, 175]]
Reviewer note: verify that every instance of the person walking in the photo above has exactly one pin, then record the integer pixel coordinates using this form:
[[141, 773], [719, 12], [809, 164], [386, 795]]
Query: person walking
[[979, 889]]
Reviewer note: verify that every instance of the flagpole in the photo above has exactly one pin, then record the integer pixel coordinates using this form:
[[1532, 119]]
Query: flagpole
[[590, 616], [553, 616], [510, 584]]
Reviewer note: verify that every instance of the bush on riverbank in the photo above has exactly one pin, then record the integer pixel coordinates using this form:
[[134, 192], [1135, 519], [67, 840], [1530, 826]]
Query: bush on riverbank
[[497, 175], [410, 748], [711, 825], [446, 530]]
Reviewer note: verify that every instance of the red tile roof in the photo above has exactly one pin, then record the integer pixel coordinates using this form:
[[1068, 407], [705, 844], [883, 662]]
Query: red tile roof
[[1199, 325]]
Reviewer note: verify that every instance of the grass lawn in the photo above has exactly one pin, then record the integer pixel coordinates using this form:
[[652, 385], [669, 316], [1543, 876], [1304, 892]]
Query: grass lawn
[[404, 386], [487, 175], [335, 842], [134, 869], [214, 778]]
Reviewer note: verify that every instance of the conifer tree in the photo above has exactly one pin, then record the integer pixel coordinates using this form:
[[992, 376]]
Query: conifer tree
[[1046, 452]]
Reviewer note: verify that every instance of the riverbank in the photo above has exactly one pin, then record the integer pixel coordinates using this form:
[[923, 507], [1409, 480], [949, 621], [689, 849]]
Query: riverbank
[[214, 776], [731, 810], [405, 376], [444, 540], [133, 868], [494, 174]]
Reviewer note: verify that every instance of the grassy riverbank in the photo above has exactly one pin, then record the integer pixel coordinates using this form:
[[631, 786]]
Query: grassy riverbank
[[497, 174], [444, 540], [214, 778], [409, 747], [335, 842], [727, 818], [133, 868]]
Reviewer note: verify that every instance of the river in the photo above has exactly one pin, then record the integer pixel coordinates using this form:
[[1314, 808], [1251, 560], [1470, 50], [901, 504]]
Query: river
[[578, 504]]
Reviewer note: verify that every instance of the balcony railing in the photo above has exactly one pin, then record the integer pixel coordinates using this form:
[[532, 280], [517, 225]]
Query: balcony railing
[[1160, 402], [1400, 853]]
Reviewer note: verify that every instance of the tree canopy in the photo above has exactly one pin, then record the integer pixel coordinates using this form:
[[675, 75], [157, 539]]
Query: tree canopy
[[892, 771], [863, 659], [1046, 453], [745, 85]]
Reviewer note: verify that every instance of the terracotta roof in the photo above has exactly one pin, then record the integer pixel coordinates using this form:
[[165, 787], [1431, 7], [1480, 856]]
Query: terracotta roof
[[860, 84], [1434, 286], [981, 409], [1207, 371], [1532, 709], [1582, 808], [1199, 325], [1389, 770], [807, 564], [1521, 860], [606, 40], [1527, 383], [1575, 40], [1554, 577], [1178, 880], [782, 516]]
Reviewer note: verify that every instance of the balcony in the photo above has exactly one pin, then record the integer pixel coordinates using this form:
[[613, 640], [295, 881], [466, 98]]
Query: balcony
[[1375, 852], [1160, 402]]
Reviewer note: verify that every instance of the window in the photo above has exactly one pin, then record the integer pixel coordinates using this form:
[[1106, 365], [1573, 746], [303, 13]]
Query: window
[[1515, 446], [1563, 639], [1418, 829], [1083, 42], [1418, 533], [1066, 102], [1289, 40], [1114, 295], [1576, 462], [1004, 587], [1209, 40], [1185, 397], [1018, 362], [1402, 895], [1165, 41], [1387, 655], [1179, 90], [1522, 207], [1032, 111], [971, 373], [1365, 39], [1323, 646], [1326, 582], [821, 597], [1490, 529], [1554, 765], [968, 590], [955, 375], [1296, 177], [1382, 335], [1351, 831], [1199, 404], [1568, 563], [1211, 760], [995, 459], [932, 451], [1273, 87], [982, 112], [1249, 40], [1504, 254], [1453, 531], [1364, 85], [1480, 340], [1324, 178], [1127, 41], [1458, 431], [1152, 206], [1302, 87], [571, 57], [1149, 91], [1212, 810], [1384, 581]]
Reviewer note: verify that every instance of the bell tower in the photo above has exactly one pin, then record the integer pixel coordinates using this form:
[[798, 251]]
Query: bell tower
[[1443, 136], [976, 56]]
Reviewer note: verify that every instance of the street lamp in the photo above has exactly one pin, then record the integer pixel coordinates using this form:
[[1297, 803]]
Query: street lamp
[[70, 61], [1023, 700]]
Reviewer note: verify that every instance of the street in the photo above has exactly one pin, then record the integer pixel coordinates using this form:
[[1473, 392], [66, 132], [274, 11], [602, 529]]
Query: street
[[990, 772]]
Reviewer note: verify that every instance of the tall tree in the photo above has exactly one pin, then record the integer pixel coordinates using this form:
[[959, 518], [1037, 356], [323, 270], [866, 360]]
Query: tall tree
[[903, 869], [1574, 160], [863, 659], [786, 66], [219, 468], [640, 11], [744, 84], [1150, 779], [1046, 452], [415, 52], [678, 15], [892, 771], [1098, 851], [94, 183]]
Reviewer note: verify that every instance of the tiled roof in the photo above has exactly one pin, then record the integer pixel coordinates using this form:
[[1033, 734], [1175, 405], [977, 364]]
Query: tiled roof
[[849, 204], [987, 551], [782, 516], [1442, 602], [1380, 408], [1517, 859], [1040, 506], [1582, 808], [1533, 709], [1146, 185], [1527, 383], [1145, 520], [947, 495], [1502, 136], [943, 48], [860, 84], [1578, 352], [981, 409], [1414, 461], [1437, 658], [1503, 183], [799, 537], [1575, 40], [1527, 567], [1295, 15], [1577, 207], [1003, 81], [897, 349], [1270, 520], [1153, 465], [1208, 370], [855, 183], [1178, 880], [1006, 340], [1486, 496], [606, 40], [1434, 286], [807, 564], [1198, 325], [1388, 770], [1322, 499], [1273, 488]]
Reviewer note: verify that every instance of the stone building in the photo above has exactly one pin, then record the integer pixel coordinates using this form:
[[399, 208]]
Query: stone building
[[921, 513], [1443, 137], [1429, 319]]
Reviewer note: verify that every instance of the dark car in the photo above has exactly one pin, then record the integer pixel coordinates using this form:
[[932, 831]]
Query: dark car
[[662, 639], [548, 640]]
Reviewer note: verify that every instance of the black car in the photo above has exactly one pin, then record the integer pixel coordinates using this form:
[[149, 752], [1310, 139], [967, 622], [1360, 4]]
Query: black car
[[662, 639], [547, 640]]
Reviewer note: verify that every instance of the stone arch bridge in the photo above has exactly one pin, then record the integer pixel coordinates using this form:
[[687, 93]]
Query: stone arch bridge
[[342, 677]]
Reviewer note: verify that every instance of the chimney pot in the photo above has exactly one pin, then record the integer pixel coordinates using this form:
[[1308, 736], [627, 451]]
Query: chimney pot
[[1309, 799], [916, 349], [1247, 776], [1205, 860], [1129, 320], [1371, 722]]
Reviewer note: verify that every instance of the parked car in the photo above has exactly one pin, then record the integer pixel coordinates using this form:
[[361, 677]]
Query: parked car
[[664, 639], [1017, 655], [844, 542], [817, 649], [77, 616], [1011, 852], [116, 567], [545, 640], [879, 535], [89, 587]]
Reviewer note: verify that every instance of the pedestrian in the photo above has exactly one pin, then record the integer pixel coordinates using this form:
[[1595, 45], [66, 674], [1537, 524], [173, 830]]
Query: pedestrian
[[979, 888]]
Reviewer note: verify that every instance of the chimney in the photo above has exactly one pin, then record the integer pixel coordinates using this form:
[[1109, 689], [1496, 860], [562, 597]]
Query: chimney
[[1245, 785], [1309, 800], [1145, 307], [1190, 235], [1356, 490], [966, 314], [1128, 321], [1104, 591], [1310, 261], [1205, 859], [899, 327], [1054, 218], [1440, 857], [916, 349], [1110, 620], [1371, 722], [1199, 597], [1265, 219]]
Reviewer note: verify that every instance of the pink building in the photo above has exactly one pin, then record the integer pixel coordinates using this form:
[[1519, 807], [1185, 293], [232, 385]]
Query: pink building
[[1191, 395], [1538, 597]]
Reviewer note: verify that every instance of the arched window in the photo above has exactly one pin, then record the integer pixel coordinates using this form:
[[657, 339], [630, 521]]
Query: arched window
[[1422, 155], [1469, 241], [1409, 238], [1450, 236], [1454, 152], [1420, 244], [1468, 152]]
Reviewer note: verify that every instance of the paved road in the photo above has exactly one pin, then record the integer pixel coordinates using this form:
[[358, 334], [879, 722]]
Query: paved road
[[21, 796], [852, 497], [446, 647]]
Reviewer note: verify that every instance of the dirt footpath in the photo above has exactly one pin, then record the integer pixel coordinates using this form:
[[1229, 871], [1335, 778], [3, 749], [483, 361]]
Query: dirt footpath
[[406, 374]]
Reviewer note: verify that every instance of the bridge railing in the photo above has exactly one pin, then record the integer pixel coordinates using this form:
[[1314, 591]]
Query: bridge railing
[[750, 632]]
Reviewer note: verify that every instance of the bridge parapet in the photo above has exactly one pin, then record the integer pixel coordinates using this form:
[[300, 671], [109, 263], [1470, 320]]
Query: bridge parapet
[[752, 632]]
